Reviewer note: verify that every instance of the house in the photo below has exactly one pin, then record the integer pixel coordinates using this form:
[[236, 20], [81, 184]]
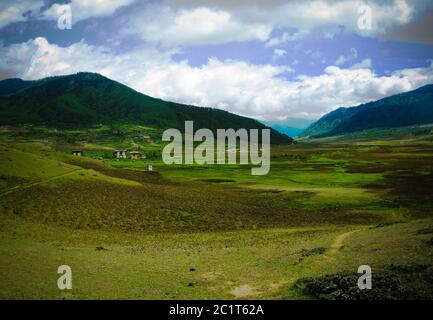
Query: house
[[119, 154], [135, 155], [77, 153]]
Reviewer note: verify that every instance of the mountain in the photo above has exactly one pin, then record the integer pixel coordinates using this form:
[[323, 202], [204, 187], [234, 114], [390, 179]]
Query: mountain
[[9, 86], [291, 126], [405, 109], [328, 122], [290, 131], [84, 99]]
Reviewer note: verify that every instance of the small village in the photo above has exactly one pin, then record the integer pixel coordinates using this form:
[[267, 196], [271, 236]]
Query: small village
[[118, 155]]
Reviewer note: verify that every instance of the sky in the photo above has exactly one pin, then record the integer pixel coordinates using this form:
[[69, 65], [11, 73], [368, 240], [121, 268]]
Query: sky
[[269, 60]]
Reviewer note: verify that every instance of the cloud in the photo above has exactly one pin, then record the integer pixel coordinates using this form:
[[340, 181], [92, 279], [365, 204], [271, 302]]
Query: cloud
[[83, 9], [351, 56], [197, 26], [285, 37], [37, 58], [187, 22], [14, 11], [364, 64], [278, 53], [259, 91], [417, 30], [326, 17]]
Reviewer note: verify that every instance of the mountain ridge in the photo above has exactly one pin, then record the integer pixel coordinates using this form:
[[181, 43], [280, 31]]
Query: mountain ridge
[[409, 108], [85, 99]]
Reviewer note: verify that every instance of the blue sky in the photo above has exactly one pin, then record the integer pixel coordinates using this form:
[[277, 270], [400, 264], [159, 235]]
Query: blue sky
[[269, 60]]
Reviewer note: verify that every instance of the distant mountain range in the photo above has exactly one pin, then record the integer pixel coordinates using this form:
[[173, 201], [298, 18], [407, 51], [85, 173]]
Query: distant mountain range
[[292, 127], [85, 99], [405, 109]]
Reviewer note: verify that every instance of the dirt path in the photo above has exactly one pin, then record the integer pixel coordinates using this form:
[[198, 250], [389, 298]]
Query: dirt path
[[338, 242], [335, 247], [248, 291], [243, 291], [26, 186]]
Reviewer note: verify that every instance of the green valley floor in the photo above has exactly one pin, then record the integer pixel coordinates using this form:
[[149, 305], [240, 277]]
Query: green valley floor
[[216, 232]]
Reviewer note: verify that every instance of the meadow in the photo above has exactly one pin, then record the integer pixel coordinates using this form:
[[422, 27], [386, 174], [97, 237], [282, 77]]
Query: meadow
[[213, 232]]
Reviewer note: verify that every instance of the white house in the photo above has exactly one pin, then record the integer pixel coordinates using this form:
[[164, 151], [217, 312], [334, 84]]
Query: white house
[[119, 154]]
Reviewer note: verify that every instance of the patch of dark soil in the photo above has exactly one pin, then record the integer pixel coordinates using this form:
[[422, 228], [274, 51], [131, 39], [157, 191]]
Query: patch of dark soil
[[376, 186], [313, 252], [412, 190], [387, 224], [294, 195], [217, 180], [428, 230], [8, 182], [325, 167], [124, 173], [271, 191], [154, 207], [357, 168]]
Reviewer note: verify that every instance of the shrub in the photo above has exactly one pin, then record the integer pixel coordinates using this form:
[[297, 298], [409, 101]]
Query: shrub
[[396, 282]]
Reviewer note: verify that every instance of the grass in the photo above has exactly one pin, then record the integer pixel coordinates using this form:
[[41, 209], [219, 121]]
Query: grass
[[152, 267], [208, 232]]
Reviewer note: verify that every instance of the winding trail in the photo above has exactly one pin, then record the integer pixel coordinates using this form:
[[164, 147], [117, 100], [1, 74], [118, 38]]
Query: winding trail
[[338, 242], [26, 186], [249, 291]]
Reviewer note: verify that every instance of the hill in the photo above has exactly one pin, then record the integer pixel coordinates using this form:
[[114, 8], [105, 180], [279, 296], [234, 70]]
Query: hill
[[85, 99], [10, 86], [405, 109]]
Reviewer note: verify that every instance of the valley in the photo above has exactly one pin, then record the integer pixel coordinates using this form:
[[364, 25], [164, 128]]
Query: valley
[[208, 231], [219, 158]]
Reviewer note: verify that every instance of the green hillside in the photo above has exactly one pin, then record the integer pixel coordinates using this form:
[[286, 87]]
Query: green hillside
[[85, 99], [405, 109]]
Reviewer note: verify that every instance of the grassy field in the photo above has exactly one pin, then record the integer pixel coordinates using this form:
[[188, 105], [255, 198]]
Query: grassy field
[[210, 232]]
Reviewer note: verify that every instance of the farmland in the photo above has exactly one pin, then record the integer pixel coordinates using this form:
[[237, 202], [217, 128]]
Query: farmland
[[215, 232]]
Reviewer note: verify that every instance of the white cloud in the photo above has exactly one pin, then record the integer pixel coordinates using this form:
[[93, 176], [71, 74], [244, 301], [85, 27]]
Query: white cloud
[[351, 56], [189, 22], [13, 11], [306, 17], [327, 16], [210, 22], [278, 53], [285, 37], [364, 64], [38, 58], [258, 91], [196, 26], [83, 9]]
